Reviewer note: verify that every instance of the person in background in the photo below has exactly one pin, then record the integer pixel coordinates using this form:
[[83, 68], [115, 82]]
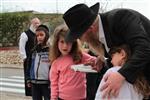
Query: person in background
[[102, 31], [26, 43], [136, 91], [39, 71], [67, 84]]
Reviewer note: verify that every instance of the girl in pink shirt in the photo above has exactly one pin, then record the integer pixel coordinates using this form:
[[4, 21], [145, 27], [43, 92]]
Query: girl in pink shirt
[[67, 84]]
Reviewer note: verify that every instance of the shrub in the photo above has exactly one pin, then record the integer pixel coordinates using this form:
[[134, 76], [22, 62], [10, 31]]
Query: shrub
[[11, 25]]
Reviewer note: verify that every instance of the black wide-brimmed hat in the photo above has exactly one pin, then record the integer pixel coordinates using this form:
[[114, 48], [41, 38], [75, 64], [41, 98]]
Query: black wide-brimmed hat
[[79, 18]]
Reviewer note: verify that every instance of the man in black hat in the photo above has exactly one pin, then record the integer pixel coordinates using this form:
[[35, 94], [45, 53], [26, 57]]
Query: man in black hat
[[113, 28]]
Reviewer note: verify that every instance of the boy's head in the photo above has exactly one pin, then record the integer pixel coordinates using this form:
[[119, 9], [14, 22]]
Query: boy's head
[[119, 55], [42, 34]]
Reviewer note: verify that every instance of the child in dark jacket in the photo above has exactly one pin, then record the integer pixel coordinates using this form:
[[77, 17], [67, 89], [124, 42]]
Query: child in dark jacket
[[39, 72]]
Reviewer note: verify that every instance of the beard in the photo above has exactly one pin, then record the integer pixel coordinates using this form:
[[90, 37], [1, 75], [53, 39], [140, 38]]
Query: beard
[[32, 28], [95, 44]]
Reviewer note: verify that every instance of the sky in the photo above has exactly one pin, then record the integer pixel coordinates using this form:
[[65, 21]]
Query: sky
[[60, 6]]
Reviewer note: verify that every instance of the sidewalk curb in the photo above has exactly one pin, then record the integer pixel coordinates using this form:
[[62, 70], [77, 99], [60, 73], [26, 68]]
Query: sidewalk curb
[[16, 66]]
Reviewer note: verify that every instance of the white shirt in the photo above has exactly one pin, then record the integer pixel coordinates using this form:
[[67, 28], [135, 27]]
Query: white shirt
[[101, 34], [127, 91], [22, 44]]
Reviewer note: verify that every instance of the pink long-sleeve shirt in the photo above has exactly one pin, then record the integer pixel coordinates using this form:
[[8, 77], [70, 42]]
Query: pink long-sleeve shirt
[[66, 83]]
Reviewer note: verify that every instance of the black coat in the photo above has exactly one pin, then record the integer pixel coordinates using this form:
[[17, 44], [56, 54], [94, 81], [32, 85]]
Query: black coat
[[125, 26]]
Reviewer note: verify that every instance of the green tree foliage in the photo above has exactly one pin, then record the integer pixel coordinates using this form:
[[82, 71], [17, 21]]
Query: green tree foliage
[[52, 20], [11, 25]]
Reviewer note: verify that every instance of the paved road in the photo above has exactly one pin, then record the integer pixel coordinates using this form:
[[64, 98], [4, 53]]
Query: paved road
[[12, 84], [11, 71]]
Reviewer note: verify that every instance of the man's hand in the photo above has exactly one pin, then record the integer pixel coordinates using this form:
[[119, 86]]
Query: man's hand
[[112, 85], [29, 84]]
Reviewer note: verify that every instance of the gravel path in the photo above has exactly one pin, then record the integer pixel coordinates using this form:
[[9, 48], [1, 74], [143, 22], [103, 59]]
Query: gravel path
[[10, 58]]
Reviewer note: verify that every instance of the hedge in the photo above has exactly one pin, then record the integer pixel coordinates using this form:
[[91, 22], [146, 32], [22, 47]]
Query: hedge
[[13, 24]]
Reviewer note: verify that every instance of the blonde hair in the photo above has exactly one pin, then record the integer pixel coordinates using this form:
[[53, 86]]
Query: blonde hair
[[75, 52], [142, 85]]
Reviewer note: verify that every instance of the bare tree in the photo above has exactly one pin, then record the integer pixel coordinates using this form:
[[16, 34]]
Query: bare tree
[[104, 5]]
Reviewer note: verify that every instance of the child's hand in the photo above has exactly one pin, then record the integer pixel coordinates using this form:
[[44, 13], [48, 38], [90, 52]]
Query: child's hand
[[29, 84], [96, 64], [90, 62], [54, 99]]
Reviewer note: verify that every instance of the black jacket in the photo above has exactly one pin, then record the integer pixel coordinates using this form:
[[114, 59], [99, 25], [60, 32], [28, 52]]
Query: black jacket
[[125, 26]]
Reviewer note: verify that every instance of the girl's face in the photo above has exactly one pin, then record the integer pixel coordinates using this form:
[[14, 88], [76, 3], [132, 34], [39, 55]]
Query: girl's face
[[64, 47], [40, 35], [118, 58]]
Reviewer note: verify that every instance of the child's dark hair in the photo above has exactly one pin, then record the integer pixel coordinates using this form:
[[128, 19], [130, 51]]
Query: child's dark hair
[[118, 49], [46, 31]]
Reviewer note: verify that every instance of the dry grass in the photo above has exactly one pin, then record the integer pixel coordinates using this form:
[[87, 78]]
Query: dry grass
[[10, 57]]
